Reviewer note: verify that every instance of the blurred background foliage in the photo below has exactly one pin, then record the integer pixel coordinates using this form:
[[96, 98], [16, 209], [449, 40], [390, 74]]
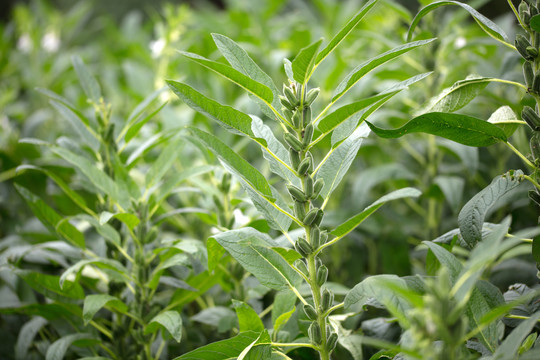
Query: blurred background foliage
[[131, 45]]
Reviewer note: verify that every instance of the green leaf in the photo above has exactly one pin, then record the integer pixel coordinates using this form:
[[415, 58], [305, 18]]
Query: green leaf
[[458, 95], [452, 188], [284, 302], [143, 106], [361, 70], [253, 250], [175, 179], [471, 217], [240, 60], [99, 262], [346, 30], [51, 219], [381, 288], [283, 319], [94, 303], [26, 336], [222, 350], [303, 63], [130, 220], [87, 80], [248, 319], [487, 25], [107, 231], [334, 168], [97, 177], [134, 129], [58, 349], [506, 119], [171, 321], [535, 23], [240, 166], [460, 128], [356, 220], [231, 119], [75, 119], [49, 285], [258, 349], [245, 82], [163, 163], [446, 258]]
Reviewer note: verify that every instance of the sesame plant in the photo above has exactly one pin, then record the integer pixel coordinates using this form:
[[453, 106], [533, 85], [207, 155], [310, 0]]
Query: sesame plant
[[108, 277], [309, 182]]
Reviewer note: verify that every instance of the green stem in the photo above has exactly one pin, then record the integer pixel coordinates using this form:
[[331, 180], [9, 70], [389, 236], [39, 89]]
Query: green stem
[[523, 157]]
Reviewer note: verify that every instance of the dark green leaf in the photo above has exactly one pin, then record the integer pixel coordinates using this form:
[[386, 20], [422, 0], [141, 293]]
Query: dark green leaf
[[248, 319], [26, 336], [171, 321], [49, 285], [460, 128], [58, 349], [222, 350], [303, 62], [535, 23], [94, 303]]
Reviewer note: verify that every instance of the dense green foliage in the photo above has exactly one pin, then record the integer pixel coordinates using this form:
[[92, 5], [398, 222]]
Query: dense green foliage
[[300, 180]]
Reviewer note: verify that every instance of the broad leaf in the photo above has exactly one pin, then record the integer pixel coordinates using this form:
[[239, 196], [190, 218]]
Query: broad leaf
[[253, 250], [535, 23], [334, 168], [58, 349], [346, 30], [51, 219], [303, 62], [26, 336], [130, 220], [248, 84], [457, 96], [171, 321], [361, 70], [222, 350], [49, 285], [506, 119], [94, 303], [471, 217], [460, 128], [240, 166], [88, 81], [248, 319], [356, 220], [487, 25]]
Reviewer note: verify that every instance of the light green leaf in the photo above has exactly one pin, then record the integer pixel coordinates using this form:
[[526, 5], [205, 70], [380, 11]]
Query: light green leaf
[[258, 349], [75, 119], [457, 96], [143, 106], [283, 319], [51, 219], [222, 350], [163, 163], [356, 220], [506, 119], [245, 82], [130, 220], [105, 263], [240, 60], [107, 231], [231, 119], [26, 336], [88, 81], [96, 176], [241, 167], [361, 70], [168, 320], [248, 319], [303, 63], [346, 30], [487, 25], [134, 129], [471, 217], [460, 128], [446, 258], [284, 302], [58, 349], [334, 168], [452, 188], [94, 303], [49, 286], [175, 179], [253, 250]]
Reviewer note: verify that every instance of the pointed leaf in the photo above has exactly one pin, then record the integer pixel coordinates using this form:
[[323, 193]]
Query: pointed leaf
[[506, 119], [247, 317], [253, 250], [76, 120], [58, 349], [105, 263], [88, 81], [241, 167], [458, 95], [26, 336], [130, 220], [171, 321], [248, 84], [336, 165], [94, 303], [460, 128], [346, 30], [303, 62], [471, 217], [222, 350], [163, 163], [487, 25], [356, 220], [134, 129], [49, 285], [446, 258], [361, 70]]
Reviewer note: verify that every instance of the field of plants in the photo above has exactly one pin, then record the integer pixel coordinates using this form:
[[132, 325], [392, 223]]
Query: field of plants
[[271, 179]]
